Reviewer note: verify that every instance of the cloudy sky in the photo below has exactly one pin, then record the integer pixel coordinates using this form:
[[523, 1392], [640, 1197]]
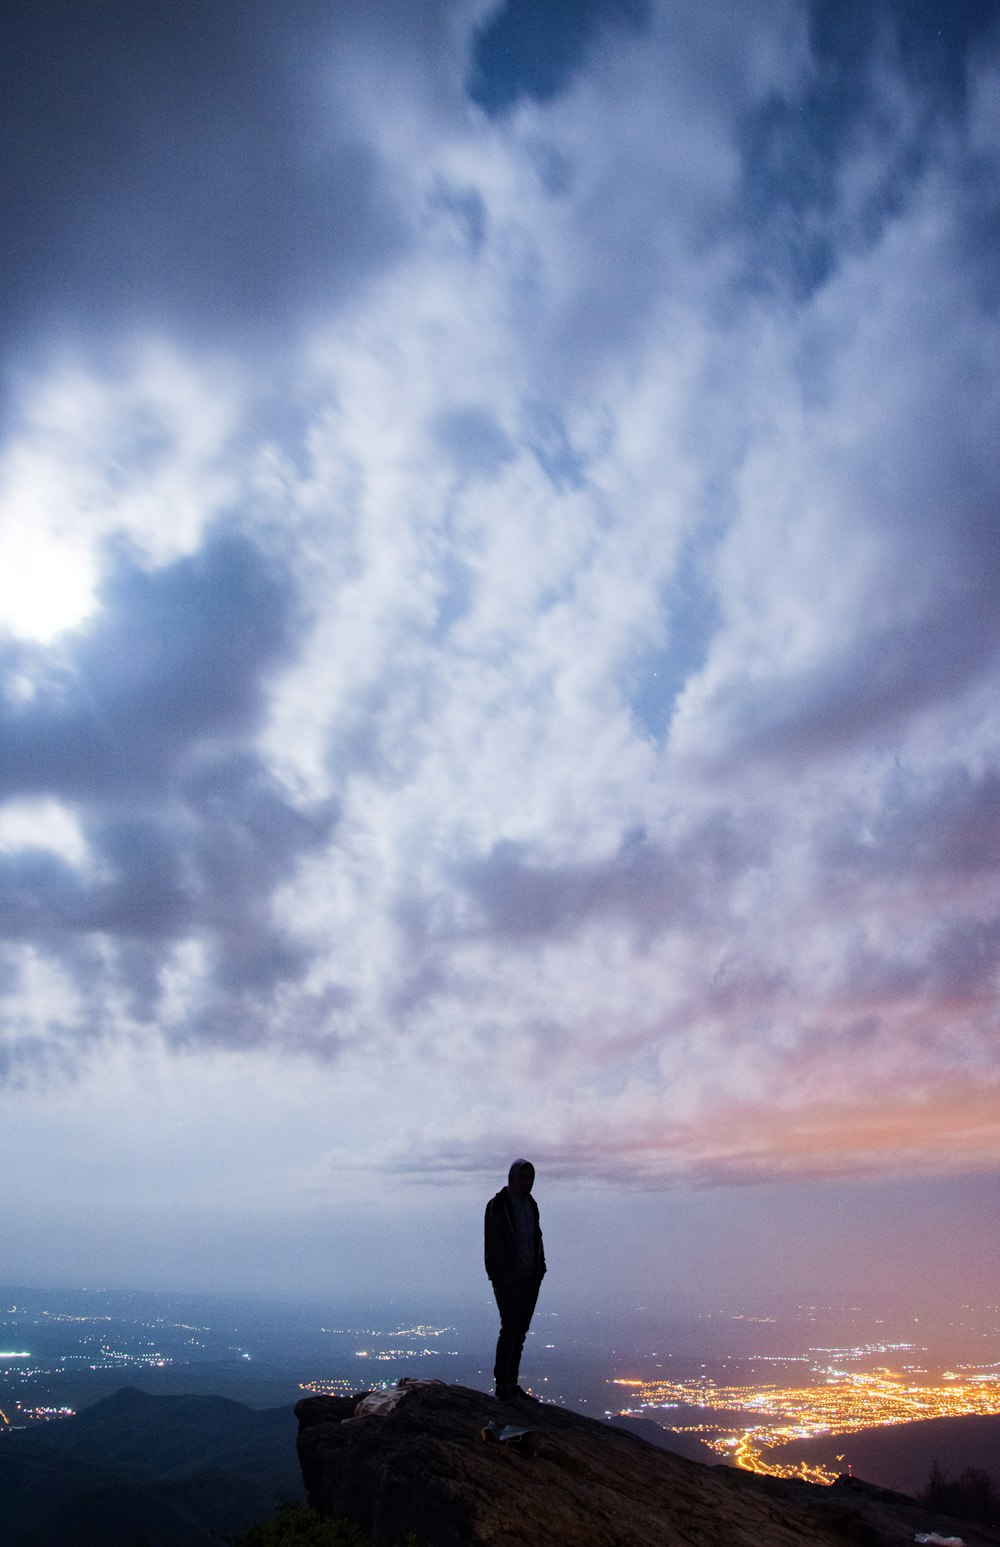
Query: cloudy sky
[[500, 638]]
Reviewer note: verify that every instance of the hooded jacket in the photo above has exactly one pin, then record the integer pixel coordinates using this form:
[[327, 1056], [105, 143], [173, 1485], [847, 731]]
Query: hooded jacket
[[501, 1238]]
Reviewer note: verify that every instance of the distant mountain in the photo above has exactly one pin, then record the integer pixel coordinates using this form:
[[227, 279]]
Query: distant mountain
[[179, 1471], [897, 1456], [668, 1439], [252, 1381], [900, 1456]]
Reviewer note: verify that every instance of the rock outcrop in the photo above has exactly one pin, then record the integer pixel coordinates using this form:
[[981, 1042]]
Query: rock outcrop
[[425, 1467]]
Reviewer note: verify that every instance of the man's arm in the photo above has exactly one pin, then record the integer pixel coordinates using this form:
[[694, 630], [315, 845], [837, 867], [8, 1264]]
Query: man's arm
[[497, 1245], [541, 1248], [490, 1241]]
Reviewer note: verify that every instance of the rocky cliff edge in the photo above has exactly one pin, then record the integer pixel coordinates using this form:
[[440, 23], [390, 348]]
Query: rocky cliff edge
[[427, 1459]]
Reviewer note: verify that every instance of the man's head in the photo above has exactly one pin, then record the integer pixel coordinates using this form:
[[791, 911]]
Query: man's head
[[521, 1177]]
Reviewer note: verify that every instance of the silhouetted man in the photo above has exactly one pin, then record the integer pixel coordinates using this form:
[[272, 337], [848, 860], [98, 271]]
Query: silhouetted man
[[515, 1262]]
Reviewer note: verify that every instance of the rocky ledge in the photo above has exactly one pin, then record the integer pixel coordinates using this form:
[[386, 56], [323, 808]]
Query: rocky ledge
[[432, 1463]]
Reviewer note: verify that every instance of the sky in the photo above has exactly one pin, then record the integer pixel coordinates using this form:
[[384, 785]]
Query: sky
[[500, 642]]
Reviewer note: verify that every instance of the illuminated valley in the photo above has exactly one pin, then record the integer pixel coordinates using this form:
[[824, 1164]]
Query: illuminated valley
[[834, 1402], [781, 1392]]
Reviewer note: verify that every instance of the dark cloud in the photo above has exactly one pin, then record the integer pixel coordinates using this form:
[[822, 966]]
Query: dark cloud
[[934, 42], [534, 48], [170, 166], [871, 690], [794, 147], [964, 967], [196, 870], [141, 731], [644, 885], [949, 832], [176, 657], [38, 892]]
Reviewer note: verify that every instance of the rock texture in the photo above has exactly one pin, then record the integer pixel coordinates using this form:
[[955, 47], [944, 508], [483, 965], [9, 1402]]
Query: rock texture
[[424, 1468]]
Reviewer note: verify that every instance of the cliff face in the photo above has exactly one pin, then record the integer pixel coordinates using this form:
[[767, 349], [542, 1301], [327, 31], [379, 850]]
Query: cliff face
[[425, 1467]]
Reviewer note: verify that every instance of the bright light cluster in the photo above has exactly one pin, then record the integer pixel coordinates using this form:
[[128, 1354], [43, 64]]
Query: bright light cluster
[[24, 1415], [839, 1403]]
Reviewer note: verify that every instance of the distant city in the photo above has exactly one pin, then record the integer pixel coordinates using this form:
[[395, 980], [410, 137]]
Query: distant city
[[745, 1387], [835, 1401]]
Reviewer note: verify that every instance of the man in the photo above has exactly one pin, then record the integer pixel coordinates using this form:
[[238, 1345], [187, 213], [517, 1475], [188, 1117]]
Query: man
[[515, 1263]]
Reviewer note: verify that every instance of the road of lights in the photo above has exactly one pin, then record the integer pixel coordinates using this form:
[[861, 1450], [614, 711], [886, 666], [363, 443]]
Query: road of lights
[[839, 1403], [25, 1415]]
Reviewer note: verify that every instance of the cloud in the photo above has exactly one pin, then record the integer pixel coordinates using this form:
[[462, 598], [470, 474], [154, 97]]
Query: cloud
[[954, 1133], [174, 659], [859, 573], [140, 455], [649, 887], [831, 160], [185, 172], [135, 733], [558, 700]]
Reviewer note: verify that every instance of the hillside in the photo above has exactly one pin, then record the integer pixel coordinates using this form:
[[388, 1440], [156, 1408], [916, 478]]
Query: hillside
[[901, 1456], [679, 1444], [425, 1467], [179, 1471], [187, 1471]]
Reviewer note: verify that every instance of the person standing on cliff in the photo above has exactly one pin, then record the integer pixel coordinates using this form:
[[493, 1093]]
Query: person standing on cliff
[[515, 1264]]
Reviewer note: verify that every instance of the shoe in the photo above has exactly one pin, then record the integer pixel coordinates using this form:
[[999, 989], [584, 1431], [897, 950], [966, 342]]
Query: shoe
[[519, 1391], [506, 1393]]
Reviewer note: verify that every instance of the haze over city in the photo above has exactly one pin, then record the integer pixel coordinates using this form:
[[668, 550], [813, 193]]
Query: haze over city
[[499, 648]]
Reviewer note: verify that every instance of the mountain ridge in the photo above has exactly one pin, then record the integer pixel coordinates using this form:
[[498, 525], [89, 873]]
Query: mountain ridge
[[179, 1471]]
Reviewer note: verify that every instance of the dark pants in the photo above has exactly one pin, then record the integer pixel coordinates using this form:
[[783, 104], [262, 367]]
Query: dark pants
[[516, 1303]]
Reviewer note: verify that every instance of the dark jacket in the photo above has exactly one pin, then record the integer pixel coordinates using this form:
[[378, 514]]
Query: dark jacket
[[501, 1243]]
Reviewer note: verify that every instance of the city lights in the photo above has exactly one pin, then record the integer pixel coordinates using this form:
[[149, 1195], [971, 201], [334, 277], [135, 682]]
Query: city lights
[[838, 1403]]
